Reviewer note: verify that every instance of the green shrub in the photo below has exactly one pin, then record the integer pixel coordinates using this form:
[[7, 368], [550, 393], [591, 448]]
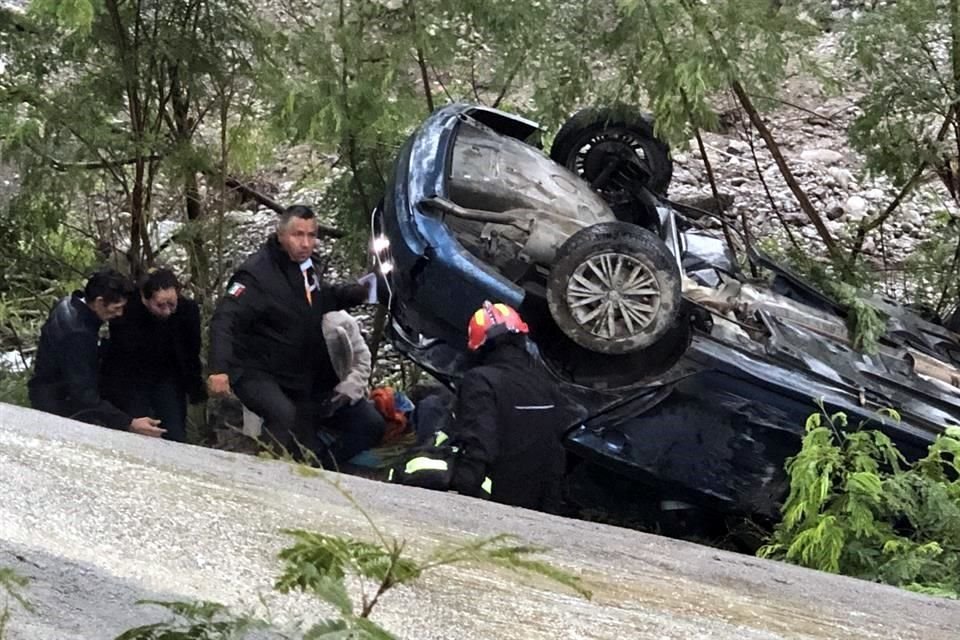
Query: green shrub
[[13, 386], [858, 508]]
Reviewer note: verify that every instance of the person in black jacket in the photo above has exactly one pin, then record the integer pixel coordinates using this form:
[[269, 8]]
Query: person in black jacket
[[267, 346], [505, 438], [65, 380], [151, 363]]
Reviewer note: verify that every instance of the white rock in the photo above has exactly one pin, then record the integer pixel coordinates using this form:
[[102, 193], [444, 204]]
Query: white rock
[[683, 176], [821, 156], [855, 207], [163, 230], [842, 176], [874, 194], [772, 173], [912, 217]]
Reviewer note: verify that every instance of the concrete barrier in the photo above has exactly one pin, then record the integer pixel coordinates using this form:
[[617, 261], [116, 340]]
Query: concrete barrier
[[97, 519]]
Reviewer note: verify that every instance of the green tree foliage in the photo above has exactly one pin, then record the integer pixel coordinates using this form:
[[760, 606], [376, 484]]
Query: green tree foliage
[[929, 275], [683, 55], [857, 507], [906, 56], [201, 620], [106, 100]]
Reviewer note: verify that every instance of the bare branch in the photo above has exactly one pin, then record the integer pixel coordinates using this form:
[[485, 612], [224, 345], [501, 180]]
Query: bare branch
[[436, 75], [425, 78], [275, 206], [866, 226], [766, 188], [473, 80], [509, 81], [98, 164]]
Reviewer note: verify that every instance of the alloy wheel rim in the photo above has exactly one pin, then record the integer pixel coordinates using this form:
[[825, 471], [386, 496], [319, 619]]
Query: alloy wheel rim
[[614, 296]]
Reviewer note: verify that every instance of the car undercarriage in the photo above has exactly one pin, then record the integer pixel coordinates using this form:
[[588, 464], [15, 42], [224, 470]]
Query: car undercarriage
[[696, 379]]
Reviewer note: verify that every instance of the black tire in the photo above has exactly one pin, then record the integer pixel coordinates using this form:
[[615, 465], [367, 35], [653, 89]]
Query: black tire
[[600, 308], [605, 129]]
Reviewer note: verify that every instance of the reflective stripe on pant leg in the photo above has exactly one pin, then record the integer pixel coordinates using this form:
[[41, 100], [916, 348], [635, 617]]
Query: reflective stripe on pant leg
[[425, 464]]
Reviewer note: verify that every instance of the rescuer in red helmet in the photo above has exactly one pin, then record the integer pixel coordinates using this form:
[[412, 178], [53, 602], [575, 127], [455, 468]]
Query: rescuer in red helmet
[[505, 438]]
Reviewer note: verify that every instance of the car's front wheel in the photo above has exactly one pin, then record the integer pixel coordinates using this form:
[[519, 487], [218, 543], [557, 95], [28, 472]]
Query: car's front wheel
[[614, 288]]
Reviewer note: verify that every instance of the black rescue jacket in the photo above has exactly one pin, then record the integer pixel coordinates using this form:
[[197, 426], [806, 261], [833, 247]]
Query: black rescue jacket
[[509, 422], [64, 381], [264, 324], [143, 349]]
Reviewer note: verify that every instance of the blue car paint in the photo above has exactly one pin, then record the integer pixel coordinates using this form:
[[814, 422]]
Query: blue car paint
[[424, 249]]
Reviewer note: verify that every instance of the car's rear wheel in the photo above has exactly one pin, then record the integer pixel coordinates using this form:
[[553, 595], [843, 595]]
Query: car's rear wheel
[[614, 288], [593, 140]]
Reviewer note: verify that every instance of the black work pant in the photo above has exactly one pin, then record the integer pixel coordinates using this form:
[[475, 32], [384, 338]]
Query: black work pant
[[165, 401], [293, 421]]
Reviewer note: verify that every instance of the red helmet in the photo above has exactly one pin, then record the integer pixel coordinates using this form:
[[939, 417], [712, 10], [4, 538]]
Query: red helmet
[[492, 320]]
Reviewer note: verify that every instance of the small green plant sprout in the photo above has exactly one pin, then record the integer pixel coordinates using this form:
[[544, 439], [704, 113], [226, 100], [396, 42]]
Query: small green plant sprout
[[857, 507], [11, 584], [325, 566], [319, 564], [197, 621]]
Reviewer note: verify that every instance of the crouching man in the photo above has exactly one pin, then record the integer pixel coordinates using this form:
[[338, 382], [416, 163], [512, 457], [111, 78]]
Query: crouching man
[[505, 439], [267, 345], [65, 380]]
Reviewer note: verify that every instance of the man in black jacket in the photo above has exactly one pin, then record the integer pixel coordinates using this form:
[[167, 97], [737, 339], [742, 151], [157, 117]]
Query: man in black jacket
[[151, 364], [267, 345], [505, 438], [65, 380]]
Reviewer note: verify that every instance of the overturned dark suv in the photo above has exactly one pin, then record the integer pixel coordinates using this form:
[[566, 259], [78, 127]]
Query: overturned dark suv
[[697, 380]]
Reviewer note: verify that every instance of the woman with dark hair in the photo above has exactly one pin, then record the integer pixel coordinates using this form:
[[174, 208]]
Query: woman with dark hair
[[151, 363]]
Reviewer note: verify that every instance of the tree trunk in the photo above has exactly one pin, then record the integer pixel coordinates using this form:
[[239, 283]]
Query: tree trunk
[[135, 253], [180, 102], [128, 57], [805, 205]]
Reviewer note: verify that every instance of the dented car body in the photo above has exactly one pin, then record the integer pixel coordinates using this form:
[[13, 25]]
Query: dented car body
[[696, 380]]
